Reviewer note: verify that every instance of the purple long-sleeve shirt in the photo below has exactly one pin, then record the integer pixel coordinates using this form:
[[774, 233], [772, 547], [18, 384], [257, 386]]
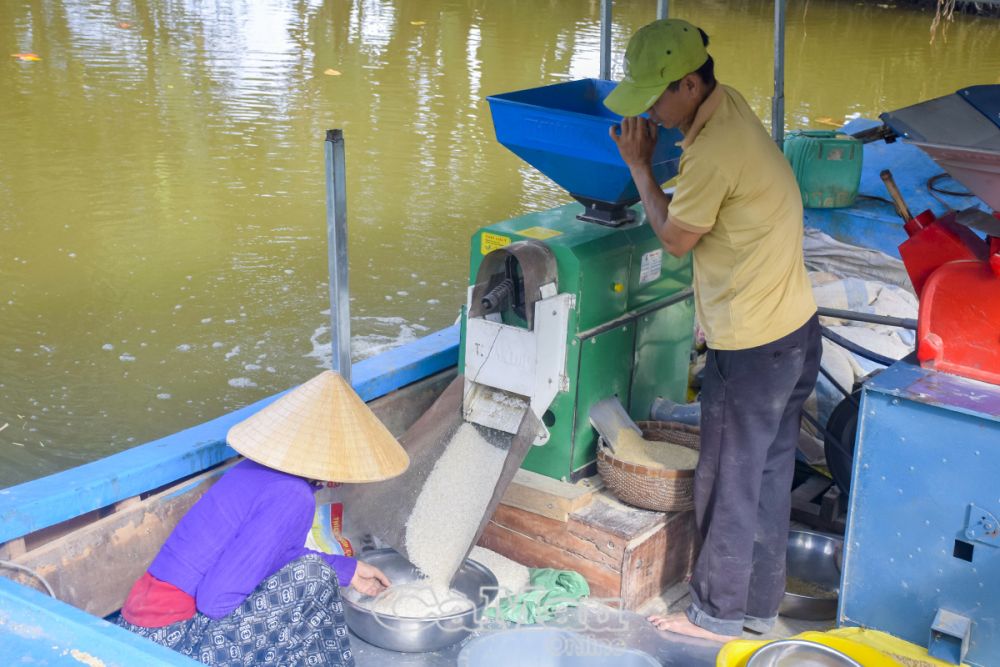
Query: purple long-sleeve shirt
[[247, 526]]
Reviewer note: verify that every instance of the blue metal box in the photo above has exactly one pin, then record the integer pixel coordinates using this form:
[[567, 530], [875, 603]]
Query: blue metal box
[[922, 550], [562, 130]]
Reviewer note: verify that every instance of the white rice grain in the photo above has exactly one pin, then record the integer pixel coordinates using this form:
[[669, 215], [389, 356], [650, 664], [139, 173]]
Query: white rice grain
[[420, 599], [512, 577], [452, 503]]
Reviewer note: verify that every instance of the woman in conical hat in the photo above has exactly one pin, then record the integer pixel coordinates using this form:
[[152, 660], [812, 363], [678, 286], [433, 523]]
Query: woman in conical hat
[[233, 584]]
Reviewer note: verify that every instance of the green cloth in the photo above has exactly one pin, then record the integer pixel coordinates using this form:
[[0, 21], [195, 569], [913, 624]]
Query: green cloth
[[548, 592]]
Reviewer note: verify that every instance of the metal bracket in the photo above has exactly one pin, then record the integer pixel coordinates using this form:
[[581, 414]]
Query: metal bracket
[[982, 526], [949, 636]]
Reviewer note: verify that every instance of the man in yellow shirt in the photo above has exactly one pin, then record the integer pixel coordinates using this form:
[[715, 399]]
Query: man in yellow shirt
[[738, 209]]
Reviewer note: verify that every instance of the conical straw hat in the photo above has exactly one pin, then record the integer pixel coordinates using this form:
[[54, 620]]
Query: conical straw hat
[[321, 430]]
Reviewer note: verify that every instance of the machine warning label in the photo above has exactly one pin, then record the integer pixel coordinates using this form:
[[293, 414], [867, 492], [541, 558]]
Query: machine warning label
[[649, 270], [540, 233], [490, 242]]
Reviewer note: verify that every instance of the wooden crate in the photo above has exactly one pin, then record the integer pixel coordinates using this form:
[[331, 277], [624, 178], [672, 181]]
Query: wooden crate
[[626, 554]]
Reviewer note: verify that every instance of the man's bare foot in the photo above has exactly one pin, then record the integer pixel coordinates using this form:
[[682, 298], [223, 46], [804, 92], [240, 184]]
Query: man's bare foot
[[680, 624]]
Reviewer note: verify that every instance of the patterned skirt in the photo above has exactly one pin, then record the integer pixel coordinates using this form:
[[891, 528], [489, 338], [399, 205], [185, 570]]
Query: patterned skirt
[[294, 617]]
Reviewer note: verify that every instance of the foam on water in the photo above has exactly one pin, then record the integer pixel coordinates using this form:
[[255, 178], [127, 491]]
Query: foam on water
[[386, 333]]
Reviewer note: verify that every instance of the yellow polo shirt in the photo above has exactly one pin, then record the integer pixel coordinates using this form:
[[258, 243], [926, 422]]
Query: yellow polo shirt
[[736, 188]]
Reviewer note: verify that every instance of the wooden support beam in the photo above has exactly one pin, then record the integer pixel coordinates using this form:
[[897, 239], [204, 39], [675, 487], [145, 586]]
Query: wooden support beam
[[549, 497], [817, 503], [12, 549], [123, 505]]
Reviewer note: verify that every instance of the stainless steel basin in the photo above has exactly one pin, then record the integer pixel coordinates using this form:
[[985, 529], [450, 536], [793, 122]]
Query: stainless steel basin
[[815, 559], [548, 647], [418, 635], [799, 653]]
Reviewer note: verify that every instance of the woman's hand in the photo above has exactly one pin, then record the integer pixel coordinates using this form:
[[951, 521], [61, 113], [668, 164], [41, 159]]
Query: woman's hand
[[369, 580], [636, 140]]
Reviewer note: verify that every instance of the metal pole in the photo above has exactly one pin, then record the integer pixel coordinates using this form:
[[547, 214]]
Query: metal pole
[[336, 238], [662, 10], [605, 39], [778, 101]]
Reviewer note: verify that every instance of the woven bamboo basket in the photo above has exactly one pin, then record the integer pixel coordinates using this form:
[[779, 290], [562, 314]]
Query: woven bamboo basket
[[661, 490]]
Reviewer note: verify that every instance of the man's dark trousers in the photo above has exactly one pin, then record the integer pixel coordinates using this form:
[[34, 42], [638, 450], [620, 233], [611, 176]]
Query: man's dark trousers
[[751, 404]]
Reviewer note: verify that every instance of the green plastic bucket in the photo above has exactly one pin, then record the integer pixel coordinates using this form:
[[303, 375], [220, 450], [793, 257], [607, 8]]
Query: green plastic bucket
[[827, 166]]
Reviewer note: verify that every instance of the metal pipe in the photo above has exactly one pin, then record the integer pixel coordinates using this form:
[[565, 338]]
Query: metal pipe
[[901, 322], [605, 39], [778, 101], [851, 346], [662, 9], [682, 295], [336, 239]]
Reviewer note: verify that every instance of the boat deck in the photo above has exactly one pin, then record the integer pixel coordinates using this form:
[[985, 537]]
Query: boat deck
[[592, 620]]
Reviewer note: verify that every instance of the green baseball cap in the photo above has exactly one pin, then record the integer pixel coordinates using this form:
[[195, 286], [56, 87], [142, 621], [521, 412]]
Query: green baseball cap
[[658, 54]]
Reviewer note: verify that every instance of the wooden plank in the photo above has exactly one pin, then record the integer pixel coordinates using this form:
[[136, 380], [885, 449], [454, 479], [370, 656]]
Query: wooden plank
[[549, 497], [806, 492], [559, 535], [44, 502], [12, 549], [604, 581], [658, 560], [607, 514], [40, 537], [123, 505], [94, 567]]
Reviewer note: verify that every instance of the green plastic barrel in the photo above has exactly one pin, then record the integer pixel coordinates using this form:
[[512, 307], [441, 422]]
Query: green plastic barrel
[[827, 166]]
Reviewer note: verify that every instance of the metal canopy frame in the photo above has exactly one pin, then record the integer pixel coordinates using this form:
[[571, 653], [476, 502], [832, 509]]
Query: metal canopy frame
[[777, 100], [336, 237], [336, 189]]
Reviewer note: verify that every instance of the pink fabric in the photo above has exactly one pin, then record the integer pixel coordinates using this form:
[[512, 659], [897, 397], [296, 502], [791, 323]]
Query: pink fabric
[[154, 604]]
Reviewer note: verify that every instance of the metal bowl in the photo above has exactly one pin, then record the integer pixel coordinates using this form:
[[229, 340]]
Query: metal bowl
[[814, 558], [792, 652], [548, 647], [417, 635]]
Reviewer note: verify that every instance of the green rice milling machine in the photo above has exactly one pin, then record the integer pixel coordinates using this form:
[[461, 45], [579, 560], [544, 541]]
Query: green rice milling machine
[[567, 307]]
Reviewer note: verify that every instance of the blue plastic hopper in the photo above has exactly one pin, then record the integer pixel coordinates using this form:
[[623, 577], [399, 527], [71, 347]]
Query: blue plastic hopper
[[562, 130]]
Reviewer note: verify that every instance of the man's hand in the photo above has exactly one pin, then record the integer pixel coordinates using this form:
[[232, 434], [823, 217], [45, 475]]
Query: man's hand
[[369, 580], [636, 143], [636, 140]]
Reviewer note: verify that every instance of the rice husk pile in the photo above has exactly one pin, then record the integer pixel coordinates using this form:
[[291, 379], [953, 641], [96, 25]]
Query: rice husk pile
[[512, 577], [452, 503], [633, 448], [419, 599], [913, 662], [808, 589]]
